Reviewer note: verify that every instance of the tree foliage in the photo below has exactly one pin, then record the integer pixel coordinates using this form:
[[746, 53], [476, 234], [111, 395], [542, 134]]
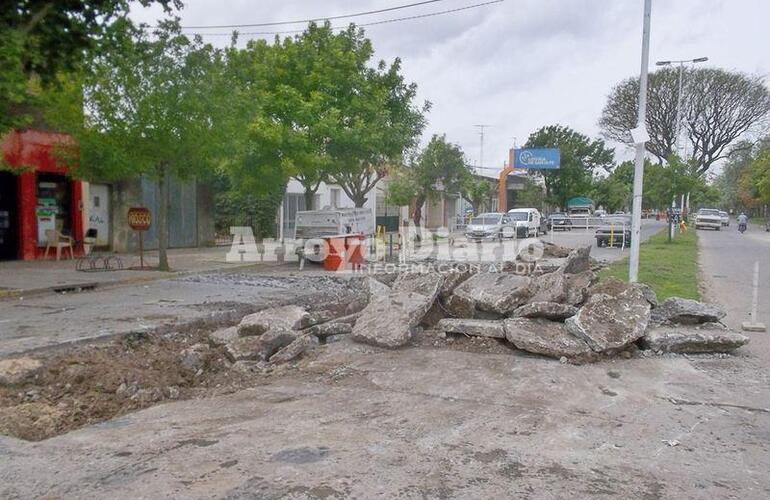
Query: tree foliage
[[718, 108], [153, 105], [477, 191], [581, 157], [439, 168], [41, 39]]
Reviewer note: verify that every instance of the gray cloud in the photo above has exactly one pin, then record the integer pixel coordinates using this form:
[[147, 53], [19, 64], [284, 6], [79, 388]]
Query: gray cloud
[[522, 64]]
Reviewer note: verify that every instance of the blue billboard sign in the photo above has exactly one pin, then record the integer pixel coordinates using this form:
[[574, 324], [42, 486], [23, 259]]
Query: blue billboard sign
[[537, 158]]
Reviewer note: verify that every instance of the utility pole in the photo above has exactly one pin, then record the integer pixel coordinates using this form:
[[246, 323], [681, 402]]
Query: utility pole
[[640, 137], [481, 153]]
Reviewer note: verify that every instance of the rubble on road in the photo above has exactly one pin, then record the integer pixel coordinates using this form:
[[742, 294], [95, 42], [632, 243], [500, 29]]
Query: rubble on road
[[610, 323], [261, 347], [475, 327], [578, 260], [289, 317], [222, 336], [328, 329], [706, 338], [549, 338], [295, 349], [392, 316], [496, 293], [17, 370], [548, 310], [686, 311]]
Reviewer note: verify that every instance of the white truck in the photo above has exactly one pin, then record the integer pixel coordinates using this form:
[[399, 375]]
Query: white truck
[[333, 222], [526, 221]]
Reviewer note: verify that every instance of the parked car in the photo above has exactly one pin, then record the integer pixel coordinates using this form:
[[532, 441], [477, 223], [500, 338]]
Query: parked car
[[612, 235], [708, 218], [559, 220], [600, 213], [725, 218], [526, 221], [488, 226]]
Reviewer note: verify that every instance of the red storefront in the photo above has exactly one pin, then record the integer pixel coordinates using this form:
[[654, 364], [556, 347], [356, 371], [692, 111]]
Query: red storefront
[[36, 194]]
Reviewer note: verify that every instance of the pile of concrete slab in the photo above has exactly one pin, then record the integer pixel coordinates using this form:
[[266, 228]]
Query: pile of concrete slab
[[565, 313]]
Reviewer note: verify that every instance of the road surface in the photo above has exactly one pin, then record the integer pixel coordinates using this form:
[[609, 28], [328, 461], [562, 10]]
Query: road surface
[[727, 260]]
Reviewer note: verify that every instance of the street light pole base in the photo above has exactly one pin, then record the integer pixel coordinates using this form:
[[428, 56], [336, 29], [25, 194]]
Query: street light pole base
[[748, 326]]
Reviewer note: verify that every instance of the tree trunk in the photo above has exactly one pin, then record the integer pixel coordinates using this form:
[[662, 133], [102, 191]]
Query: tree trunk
[[163, 202], [359, 200], [417, 217], [309, 198]]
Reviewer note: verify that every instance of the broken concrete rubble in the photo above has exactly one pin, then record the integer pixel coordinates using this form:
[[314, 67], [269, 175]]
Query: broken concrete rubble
[[692, 339], [498, 293], [611, 323], [548, 310], [613, 286], [291, 317], [578, 260], [222, 336], [295, 349], [391, 318], [260, 347], [17, 370], [686, 311], [475, 327], [328, 329], [549, 338]]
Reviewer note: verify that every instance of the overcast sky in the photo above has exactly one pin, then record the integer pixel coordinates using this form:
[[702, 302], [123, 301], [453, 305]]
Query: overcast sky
[[520, 64]]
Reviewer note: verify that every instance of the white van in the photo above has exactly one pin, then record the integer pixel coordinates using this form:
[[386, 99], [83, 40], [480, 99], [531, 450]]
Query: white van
[[526, 221]]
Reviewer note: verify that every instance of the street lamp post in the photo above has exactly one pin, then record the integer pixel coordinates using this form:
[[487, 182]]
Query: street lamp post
[[639, 135], [679, 93]]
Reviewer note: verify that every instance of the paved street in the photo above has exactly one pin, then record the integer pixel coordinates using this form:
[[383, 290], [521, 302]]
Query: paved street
[[578, 237], [727, 265]]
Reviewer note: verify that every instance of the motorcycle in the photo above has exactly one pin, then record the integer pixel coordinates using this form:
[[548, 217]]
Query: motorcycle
[[741, 227]]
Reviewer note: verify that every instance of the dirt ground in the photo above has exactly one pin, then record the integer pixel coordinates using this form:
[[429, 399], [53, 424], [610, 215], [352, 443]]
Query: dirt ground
[[437, 419]]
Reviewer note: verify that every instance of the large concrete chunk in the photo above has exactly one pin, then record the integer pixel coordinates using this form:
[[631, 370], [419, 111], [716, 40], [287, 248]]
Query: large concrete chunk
[[610, 323], [686, 311], [549, 310], [613, 286], [295, 349], [577, 261], [290, 317], [692, 339], [576, 287], [475, 327], [548, 338], [548, 287], [498, 293], [17, 370], [328, 329], [391, 318], [260, 347], [452, 279]]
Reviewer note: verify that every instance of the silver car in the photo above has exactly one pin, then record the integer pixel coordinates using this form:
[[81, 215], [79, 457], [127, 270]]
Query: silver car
[[489, 226]]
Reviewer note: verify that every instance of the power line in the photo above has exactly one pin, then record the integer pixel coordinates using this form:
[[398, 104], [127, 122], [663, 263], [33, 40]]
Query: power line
[[305, 21], [374, 23]]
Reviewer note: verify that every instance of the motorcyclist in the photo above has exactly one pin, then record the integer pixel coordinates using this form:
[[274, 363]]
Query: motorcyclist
[[743, 220]]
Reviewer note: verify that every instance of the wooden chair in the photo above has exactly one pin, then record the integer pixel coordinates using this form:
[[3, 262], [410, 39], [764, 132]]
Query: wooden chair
[[57, 240]]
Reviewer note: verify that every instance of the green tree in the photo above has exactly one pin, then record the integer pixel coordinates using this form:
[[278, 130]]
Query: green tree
[[612, 192], [477, 190], [439, 168], [580, 158], [41, 39], [153, 108], [377, 120], [718, 108]]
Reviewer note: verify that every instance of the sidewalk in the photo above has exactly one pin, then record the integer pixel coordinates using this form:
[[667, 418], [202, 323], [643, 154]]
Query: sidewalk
[[28, 277]]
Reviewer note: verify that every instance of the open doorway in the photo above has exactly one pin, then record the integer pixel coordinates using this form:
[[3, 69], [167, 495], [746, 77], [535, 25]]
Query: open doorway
[[9, 217]]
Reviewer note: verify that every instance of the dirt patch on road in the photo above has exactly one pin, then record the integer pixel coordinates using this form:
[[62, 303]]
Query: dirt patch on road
[[93, 383]]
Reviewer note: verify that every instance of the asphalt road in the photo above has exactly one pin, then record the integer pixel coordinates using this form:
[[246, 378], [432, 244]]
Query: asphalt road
[[578, 237], [727, 260]]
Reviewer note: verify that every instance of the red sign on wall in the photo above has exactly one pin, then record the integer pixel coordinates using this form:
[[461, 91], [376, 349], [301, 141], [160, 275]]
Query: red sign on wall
[[139, 218]]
